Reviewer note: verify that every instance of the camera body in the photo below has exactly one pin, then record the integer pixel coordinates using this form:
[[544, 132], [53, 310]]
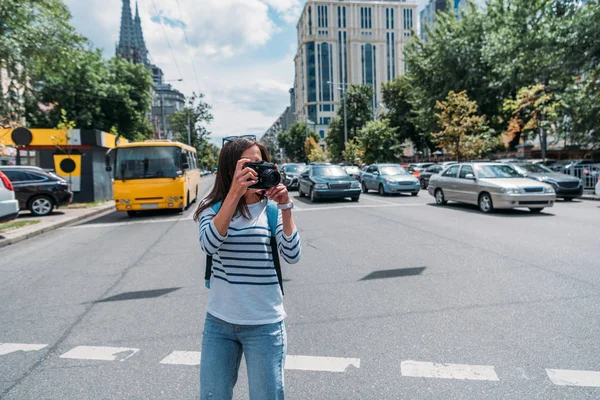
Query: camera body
[[268, 176]]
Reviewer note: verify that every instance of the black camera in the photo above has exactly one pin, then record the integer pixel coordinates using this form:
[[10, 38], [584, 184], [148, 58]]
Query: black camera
[[268, 176]]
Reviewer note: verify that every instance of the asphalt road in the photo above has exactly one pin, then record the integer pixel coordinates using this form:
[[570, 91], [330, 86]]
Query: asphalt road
[[402, 299]]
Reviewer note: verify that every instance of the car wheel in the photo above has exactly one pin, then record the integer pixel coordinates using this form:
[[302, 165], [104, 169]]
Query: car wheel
[[41, 205], [313, 196], [381, 190], [414, 194], [355, 198], [485, 203], [568, 199], [300, 192], [536, 210], [132, 214], [423, 184], [364, 188], [440, 200]]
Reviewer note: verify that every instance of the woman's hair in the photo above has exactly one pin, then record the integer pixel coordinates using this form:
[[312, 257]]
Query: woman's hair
[[230, 154]]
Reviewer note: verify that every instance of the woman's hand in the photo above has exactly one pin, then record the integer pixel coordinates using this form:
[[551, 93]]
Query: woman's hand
[[243, 178], [279, 194]]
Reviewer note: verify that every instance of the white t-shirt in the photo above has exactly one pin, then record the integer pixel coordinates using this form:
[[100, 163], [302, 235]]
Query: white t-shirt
[[244, 289]]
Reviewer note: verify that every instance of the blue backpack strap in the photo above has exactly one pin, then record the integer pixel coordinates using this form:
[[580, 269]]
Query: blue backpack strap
[[208, 271], [273, 217]]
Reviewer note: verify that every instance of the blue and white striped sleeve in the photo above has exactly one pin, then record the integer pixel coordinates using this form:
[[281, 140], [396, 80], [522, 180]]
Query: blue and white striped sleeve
[[210, 238], [290, 247]]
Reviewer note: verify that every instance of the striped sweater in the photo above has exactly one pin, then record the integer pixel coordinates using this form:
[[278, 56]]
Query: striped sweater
[[243, 286]]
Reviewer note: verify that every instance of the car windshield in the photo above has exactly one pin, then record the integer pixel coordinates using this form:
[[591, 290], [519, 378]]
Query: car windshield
[[147, 162], [534, 168], [331, 170], [393, 170], [294, 168], [352, 170], [497, 171]]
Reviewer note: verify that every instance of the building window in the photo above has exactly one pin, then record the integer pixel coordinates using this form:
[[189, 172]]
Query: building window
[[309, 20], [325, 72], [369, 68], [391, 55], [408, 18], [341, 16], [322, 134], [312, 113], [389, 18], [323, 18], [311, 72], [365, 18], [343, 56]]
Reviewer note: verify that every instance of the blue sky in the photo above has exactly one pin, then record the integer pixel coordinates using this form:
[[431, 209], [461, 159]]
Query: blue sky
[[240, 52]]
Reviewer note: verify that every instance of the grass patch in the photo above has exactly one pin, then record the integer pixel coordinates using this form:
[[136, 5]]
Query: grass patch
[[17, 224], [86, 205]]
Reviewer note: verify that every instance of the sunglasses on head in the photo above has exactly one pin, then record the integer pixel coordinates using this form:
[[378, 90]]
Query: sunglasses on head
[[229, 139]]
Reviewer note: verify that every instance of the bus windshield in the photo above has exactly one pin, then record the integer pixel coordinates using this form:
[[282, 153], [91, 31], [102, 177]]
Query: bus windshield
[[147, 162]]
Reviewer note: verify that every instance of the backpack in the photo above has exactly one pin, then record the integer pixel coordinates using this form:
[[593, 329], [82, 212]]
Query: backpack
[[272, 217]]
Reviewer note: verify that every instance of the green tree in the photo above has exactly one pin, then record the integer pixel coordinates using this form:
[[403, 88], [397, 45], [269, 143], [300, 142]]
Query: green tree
[[313, 151], [196, 114], [359, 107], [380, 142], [354, 151], [292, 141], [533, 111], [464, 134], [397, 97], [208, 156]]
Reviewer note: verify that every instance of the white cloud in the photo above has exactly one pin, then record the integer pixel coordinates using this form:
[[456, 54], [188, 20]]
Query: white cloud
[[246, 97]]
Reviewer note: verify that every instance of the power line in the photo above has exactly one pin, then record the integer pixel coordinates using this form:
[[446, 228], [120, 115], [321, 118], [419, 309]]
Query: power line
[[166, 37], [187, 43]]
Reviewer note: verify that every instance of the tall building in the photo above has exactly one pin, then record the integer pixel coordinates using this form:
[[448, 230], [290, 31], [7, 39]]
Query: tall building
[[132, 46], [345, 42], [166, 100]]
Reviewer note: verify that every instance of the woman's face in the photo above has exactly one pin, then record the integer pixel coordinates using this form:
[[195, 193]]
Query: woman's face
[[253, 154]]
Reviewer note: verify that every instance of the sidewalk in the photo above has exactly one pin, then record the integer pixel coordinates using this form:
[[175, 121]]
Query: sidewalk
[[58, 219], [590, 196]]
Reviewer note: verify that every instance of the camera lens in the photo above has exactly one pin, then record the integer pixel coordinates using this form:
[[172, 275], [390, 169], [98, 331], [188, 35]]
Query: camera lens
[[270, 177]]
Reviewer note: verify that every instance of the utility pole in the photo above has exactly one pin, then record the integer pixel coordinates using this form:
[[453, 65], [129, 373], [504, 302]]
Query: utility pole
[[164, 120]]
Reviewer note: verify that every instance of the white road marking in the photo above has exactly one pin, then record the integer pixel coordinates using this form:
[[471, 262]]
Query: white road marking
[[567, 377], [182, 358], [7, 348], [100, 353], [448, 371], [361, 206], [324, 364]]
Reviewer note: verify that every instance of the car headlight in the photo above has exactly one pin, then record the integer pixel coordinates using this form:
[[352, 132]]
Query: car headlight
[[511, 190], [415, 181], [319, 186], [549, 189], [390, 181], [355, 185]]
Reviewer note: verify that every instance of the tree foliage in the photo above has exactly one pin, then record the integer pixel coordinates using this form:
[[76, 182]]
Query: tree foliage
[[292, 141], [313, 151], [354, 151], [397, 96], [197, 115], [464, 133], [380, 142]]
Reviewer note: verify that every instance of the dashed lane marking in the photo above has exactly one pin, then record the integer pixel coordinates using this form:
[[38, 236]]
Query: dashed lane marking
[[182, 358], [100, 353], [567, 377], [323, 364], [448, 371], [7, 348]]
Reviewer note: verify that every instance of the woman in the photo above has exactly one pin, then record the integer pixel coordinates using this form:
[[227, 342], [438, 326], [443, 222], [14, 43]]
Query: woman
[[245, 312]]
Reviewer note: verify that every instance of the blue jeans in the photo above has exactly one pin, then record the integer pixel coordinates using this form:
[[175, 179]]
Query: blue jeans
[[223, 344]]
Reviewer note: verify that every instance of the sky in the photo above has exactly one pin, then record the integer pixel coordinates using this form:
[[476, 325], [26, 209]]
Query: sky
[[239, 53]]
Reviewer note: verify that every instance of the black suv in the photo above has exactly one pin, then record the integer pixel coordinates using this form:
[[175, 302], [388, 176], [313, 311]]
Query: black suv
[[37, 190]]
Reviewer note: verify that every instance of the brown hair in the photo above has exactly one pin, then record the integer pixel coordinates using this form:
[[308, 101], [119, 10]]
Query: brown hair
[[230, 154]]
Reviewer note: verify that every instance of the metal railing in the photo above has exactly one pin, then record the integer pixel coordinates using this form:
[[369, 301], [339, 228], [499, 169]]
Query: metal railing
[[587, 173]]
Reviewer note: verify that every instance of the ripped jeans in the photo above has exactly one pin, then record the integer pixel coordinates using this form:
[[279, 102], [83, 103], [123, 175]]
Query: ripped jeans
[[223, 344]]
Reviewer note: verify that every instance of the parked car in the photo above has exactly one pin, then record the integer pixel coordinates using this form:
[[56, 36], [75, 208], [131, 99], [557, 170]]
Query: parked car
[[564, 166], [389, 178], [9, 206], [328, 181], [566, 186], [291, 173], [597, 191], [353, 171], [37, 190], [490, 186], [427, 173], [421, 166], [410, 170]]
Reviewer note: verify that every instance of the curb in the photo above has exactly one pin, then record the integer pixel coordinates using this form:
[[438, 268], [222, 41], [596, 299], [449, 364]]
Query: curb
[[100, 210]]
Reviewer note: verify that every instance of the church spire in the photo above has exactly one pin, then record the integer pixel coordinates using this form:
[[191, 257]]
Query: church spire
[[125, 46], [138, 38]]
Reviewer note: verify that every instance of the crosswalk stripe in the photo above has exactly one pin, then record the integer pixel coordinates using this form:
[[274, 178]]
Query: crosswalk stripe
[[7, 348], [100, 353], [567, 377], [448, 371], [182, 358], [324, 364]]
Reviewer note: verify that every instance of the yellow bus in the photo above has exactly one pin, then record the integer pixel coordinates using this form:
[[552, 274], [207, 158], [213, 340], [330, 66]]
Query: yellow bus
[[155, 174]]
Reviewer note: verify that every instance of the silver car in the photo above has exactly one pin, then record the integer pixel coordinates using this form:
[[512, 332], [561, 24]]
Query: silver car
[[490, 186]]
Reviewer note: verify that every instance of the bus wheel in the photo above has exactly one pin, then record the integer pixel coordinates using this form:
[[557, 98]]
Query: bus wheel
[[132, 214], [187, 200]]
